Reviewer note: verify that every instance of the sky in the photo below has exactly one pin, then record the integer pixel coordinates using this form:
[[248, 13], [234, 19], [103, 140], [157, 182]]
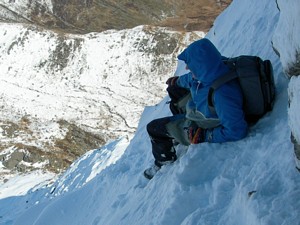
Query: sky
[[251, 181]]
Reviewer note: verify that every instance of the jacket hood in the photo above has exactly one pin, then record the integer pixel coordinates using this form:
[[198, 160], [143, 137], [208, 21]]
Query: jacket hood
[[204, 61]]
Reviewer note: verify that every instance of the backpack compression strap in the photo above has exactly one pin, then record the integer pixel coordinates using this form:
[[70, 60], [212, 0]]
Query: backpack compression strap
[[216, 84]]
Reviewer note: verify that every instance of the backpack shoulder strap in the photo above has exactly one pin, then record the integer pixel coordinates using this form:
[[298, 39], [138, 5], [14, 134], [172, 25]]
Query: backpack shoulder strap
[[216, 84]]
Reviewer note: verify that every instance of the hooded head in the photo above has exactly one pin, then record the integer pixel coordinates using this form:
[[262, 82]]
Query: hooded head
[[204, 61]]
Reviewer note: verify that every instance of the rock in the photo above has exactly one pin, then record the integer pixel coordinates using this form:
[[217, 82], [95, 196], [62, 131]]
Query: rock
[[13, 159], [296, 151]]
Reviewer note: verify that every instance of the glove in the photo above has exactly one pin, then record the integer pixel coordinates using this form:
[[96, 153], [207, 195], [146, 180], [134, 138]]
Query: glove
[[196, 134], [172, 81]]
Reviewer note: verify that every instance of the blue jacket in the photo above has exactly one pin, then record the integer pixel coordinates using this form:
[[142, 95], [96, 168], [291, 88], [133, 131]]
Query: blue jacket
[[205, 64]]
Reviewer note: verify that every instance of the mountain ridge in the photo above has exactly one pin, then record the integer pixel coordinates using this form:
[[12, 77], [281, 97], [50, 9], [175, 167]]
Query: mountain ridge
[[76, 16]]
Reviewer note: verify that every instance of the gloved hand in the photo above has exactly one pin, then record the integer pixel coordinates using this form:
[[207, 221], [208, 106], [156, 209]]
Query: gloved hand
[[196, 134], [172, 81]]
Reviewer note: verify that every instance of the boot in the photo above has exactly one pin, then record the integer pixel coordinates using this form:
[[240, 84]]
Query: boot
[[151, 171]]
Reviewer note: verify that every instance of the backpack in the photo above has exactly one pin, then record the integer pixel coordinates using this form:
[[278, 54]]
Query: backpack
[[256, 79]]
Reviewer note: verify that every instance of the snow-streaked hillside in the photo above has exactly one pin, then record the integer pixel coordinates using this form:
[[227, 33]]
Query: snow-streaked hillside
[[54, 87], [251, 181], [23, 10], [52, 76]]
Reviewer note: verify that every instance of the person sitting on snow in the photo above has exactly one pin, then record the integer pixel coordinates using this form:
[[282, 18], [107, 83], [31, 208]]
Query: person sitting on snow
[[198, 124]]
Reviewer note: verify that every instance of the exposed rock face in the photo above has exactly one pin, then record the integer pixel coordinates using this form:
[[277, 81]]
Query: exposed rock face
[[79, 16], [54, 155], [297, 151], [294, 68]]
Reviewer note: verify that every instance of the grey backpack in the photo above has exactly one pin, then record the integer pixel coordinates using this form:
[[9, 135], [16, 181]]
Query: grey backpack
[[256, 79]]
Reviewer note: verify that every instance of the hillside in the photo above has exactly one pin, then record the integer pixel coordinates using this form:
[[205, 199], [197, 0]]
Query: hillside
[[99, 15], [63, 95]]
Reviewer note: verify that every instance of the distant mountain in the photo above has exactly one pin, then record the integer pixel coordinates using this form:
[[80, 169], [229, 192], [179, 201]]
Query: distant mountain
[[79, 16]]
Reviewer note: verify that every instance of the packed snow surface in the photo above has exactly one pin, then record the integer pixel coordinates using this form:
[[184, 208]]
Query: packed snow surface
[[251, 181]]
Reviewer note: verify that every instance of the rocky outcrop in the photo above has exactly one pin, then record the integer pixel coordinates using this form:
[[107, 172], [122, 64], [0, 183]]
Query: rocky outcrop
[[53, 155], [297, 151]]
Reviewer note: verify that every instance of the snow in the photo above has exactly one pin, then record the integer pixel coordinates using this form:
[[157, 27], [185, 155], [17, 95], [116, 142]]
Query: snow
[[251, 181], [21, 184], [287, 36], [294, 119]]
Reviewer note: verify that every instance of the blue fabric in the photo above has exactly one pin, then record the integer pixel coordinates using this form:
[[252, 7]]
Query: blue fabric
[[205, 63]]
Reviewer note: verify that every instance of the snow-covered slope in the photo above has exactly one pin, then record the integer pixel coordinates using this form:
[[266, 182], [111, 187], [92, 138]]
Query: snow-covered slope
[[251, 181]]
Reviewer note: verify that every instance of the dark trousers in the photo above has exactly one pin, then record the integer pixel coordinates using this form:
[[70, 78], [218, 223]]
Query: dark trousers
[[162, 142]]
